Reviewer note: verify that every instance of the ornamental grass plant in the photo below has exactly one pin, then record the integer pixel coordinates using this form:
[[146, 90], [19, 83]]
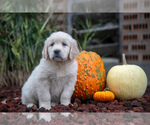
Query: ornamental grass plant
[[22, 37]]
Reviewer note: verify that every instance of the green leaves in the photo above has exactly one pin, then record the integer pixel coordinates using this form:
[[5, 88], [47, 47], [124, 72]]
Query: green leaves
[[15, 48], [22, 37], [87, 29]]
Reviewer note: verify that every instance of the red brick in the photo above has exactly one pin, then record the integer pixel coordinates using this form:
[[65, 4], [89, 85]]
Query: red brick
[[132, 58], [130, 37], [125, 48], [140, 26], [139, 47], [146, 37], [146, 16], [127, 27], [135, 27], [130, 17], [146, 58]]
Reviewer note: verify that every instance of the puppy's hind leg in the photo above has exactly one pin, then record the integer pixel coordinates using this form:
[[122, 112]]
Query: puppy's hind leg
[[29, 102], [28, 97], [44, 96]]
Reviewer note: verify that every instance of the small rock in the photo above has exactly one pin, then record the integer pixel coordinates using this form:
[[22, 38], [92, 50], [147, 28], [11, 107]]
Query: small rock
[[4, 101], [95, 109], [3, 108], [11, 110], [138, 109], [130, 111], [135, 104], [108, 111], [147, 110], [41, 110], [121, 103], [34, 108], [2, 96], [121, 100], [116, 110], [60, 106], [53, 110], [104, 109], [127, 104], [71, 110], [77, 101], [23, 109], [75, 105], [92, 102], [70, 105], [8, 106], [115, 102], [144, 102], [148, 99], [83, 109], [99, 104], [83, 105], [111, 107], [116, 107]]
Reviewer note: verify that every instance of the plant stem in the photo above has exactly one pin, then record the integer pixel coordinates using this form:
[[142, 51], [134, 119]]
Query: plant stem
[[74, 35], [124, 59], [106, 89]]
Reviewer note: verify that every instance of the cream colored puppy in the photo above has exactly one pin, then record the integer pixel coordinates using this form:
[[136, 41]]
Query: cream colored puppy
[[53, 80]]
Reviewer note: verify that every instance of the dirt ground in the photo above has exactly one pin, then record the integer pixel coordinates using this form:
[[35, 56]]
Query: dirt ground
[[80, 112], [10, 101]]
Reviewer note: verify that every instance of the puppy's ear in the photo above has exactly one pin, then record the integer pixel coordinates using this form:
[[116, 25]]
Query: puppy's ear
[[45, 50], [74, 51]]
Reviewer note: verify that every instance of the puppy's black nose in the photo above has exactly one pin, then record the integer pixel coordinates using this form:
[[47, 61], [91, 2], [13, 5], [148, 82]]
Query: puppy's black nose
[[57, 51]]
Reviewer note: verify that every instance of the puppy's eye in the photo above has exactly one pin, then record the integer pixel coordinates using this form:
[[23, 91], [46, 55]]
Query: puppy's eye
[[64, 44], [52, 44]]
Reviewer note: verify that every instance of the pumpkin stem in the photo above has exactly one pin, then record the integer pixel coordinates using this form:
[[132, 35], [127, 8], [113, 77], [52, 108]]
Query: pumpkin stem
[[106, 89], [124, 59]]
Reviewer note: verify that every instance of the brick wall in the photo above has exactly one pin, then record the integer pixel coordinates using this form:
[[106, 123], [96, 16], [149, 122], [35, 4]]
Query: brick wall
[[136, 36], [135, 5]]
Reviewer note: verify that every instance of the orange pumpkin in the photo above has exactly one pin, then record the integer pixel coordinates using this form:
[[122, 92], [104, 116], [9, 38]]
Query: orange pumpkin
[[91, 75], [104, 96]]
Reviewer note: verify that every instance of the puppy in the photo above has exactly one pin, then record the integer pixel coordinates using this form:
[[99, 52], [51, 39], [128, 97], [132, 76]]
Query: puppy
[[53, 80]]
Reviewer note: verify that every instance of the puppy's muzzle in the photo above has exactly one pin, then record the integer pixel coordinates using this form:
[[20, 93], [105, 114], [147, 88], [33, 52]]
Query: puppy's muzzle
[[57, 53]]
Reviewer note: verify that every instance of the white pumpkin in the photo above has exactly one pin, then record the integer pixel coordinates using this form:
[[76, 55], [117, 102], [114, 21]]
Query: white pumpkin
[[127, 81]]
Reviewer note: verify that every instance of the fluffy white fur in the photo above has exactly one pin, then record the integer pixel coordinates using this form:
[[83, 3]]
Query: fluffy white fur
[[53, 80]]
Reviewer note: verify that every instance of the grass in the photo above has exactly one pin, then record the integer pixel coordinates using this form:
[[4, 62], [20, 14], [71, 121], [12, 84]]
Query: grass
[[22, 36]]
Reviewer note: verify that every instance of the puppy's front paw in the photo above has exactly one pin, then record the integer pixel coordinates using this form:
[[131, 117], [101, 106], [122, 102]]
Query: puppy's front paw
[[46, 106], [30, 105], [66, 103]]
